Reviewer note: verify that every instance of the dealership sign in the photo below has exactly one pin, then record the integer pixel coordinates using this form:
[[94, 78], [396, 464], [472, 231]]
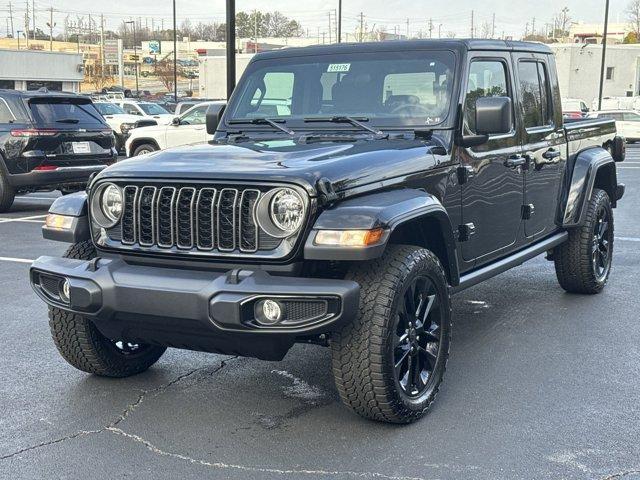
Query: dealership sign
[[154, 47], [112, 52]]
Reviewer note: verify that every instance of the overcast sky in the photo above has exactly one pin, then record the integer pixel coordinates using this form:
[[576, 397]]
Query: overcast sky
[[452, 15]]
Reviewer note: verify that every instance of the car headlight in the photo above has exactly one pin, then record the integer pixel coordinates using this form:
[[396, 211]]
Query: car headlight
[[126, 127], [106, 205], [287, 210]]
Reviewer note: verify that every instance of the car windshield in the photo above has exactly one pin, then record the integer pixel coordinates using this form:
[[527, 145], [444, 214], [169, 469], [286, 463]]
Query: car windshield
[[388, 89], [109, 109], [153, 109]]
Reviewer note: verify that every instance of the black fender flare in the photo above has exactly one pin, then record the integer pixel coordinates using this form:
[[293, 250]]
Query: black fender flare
[[387, 210], [74, 205], [590, 166]]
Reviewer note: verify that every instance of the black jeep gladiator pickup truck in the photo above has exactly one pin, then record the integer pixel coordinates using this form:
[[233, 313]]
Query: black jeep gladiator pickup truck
[[50, 141], [348, 191]]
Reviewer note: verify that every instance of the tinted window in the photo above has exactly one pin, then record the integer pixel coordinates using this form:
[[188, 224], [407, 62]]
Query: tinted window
[[631, 117], [8, 84], [109, 109], [52, 86], [6, 116], [534, 93], [61, 112], [388, 88], [131, 109], [487, 78], [611, 116]]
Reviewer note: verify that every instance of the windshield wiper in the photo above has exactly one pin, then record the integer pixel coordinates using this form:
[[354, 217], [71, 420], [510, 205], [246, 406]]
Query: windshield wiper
[[68, 120], [263, 121], [356, 122]]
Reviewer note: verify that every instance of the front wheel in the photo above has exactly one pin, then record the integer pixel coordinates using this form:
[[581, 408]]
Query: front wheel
[[583, 262], [85, 348], [144, 149], [389, 362]]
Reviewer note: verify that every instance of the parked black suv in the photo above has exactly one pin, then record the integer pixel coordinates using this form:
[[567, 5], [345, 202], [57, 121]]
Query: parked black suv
[[349, 191], [52, 141]]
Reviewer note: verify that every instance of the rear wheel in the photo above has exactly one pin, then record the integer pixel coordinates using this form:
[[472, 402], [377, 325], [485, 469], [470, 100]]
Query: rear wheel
[[389, 362], [144, 149], [84, 347], [583, 263], [7, 193]]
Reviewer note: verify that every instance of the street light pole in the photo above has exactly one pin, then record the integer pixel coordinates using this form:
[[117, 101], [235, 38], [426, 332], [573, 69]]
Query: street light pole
[[175, 54], [339, 21], [135, 55], [604, 53]]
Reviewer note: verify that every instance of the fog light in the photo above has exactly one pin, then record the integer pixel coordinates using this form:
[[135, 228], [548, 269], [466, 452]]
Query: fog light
[[65, 291], [268, 312]]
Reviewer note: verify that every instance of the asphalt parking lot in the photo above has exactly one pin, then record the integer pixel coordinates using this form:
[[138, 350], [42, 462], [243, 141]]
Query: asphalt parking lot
[[540, 385]]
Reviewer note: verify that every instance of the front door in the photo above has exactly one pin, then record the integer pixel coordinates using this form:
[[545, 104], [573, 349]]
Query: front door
[[492, 197], [543, 141], [192, 128]]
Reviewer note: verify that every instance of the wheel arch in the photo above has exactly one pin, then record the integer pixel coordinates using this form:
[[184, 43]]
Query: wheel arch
[[592, 168], [408, 216], [137, 142]]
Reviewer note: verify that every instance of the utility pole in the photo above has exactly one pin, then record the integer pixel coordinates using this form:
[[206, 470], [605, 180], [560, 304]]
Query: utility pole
[[11, 19], [255, 31], [329, 26], [231, 46], [33, 17], [175, 49], [135, 55], [50, 24], [430, 28], [26, 25], [339, 21], [533, 26], [407, 29], [473, 27], [102, 48], [604, 53], [361, 26], [440, 30], [493, 26]]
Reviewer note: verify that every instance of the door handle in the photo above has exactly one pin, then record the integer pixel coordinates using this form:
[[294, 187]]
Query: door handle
[[551, 154], [516, 161]]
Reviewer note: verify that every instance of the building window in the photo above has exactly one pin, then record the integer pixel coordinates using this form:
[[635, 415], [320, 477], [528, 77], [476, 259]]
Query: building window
[[8, 84], [52, 86], [610, 71]]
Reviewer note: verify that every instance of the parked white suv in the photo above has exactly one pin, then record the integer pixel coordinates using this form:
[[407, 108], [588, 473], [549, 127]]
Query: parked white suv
[[190, 128], [627, 122], [146, 110], [121, 122]]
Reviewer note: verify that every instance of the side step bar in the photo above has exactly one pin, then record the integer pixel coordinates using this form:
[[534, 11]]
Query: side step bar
[[473, 278]]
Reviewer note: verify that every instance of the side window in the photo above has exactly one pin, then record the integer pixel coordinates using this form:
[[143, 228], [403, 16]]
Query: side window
[[5, 113], [273, 98], [197, 116], [130, 109], [535, 95], [487, 78], [631, 117]]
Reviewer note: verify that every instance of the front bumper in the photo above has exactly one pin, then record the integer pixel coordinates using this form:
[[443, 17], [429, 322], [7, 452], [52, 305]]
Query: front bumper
[[192, 309]]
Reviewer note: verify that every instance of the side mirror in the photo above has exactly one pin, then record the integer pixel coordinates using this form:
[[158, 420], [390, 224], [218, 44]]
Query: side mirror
[[175, 122], [494, 115], [214, 115]]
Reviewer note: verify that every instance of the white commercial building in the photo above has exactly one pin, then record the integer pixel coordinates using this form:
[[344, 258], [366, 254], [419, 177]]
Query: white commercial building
[[579, 70], [31, 70]]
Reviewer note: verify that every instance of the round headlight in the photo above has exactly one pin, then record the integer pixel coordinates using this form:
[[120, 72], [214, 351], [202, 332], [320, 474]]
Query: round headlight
[[106, 205], [287, 210]]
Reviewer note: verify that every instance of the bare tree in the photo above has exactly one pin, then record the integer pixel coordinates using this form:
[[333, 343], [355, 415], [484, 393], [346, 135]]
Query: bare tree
[[164, 72], [98, 78], [633, 15], [486, 30]]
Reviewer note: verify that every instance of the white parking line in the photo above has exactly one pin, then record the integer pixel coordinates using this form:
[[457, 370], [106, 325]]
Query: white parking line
[[628, 239], [51, 199], [21, 219], [628, 168], [15, 260]]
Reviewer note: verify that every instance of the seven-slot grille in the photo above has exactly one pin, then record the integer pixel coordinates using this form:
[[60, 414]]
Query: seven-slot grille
[[192, 218]]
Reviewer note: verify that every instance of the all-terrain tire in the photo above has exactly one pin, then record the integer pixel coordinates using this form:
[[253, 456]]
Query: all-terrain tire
[[575, 261], [84, 347], [363, 351], [7, 193]]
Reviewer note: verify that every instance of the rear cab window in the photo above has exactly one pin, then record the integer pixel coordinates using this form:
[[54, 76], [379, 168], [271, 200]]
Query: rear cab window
[[65, 113]]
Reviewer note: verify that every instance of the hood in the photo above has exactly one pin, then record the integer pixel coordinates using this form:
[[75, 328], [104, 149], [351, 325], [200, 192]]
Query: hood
[[345, 165], [122, 118]]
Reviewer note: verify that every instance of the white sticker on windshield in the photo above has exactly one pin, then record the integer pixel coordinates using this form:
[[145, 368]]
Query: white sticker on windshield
[[338, 67]]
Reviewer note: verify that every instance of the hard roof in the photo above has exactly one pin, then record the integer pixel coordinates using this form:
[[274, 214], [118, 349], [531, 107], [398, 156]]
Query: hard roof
[[391, 45]]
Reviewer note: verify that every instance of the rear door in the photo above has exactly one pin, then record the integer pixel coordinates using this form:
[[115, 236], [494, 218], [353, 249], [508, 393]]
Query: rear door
[[493, 195], [69, 131], [543, 140]]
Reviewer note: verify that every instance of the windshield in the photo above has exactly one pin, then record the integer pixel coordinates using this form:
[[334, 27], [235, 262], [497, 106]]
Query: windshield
[[390, 89], [109, 109], [153, 109], [59, 111]]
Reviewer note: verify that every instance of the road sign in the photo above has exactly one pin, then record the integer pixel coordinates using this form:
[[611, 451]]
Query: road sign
[[154, 47], [111, 52]]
